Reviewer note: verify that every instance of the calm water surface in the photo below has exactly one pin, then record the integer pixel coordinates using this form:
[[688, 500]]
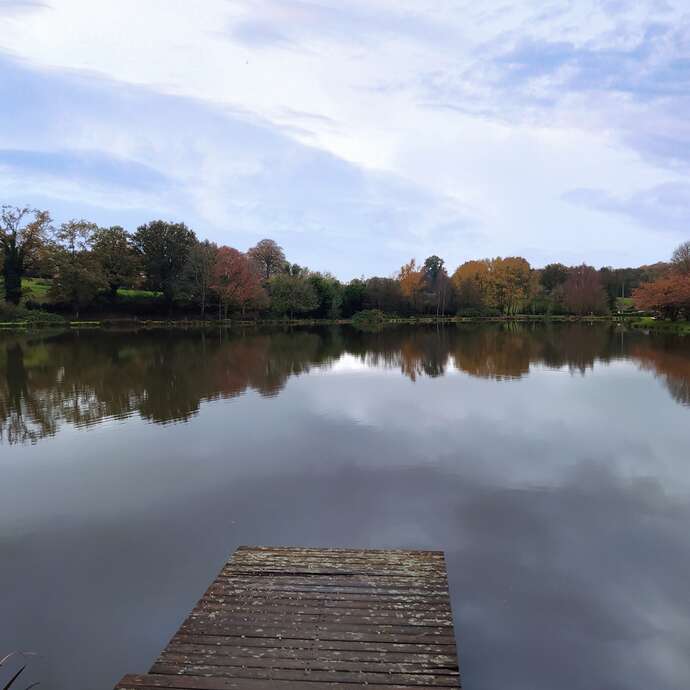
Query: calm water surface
[[552, 464]]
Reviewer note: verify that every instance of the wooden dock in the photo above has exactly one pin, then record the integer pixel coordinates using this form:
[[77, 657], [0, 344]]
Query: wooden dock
[[288, 618]]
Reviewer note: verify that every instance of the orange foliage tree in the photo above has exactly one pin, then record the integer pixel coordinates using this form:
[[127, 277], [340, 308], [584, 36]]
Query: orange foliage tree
[[411, 278], [669, 295], [235, 281]]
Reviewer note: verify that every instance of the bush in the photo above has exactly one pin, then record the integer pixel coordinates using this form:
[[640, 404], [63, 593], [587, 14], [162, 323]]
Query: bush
[[19, 314], [369, 319]]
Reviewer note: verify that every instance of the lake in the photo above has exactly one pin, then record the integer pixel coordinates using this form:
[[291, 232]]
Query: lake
[[550, 463]]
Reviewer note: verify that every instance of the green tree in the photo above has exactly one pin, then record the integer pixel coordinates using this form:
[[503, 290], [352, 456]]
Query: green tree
[[199, 271], [164, 249], [291, 294], [78, 275], [553, 276], [23, 234], [329, 294], [353, 297], [112, 248]]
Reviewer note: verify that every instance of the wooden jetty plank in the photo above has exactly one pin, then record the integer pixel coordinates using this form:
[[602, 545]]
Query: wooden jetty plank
[[289, 617]]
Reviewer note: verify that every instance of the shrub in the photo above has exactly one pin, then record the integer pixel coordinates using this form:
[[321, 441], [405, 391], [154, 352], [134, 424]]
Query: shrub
[[369, 319]]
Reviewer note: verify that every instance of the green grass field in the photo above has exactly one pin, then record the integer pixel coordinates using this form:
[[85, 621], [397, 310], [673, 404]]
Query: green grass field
[[37, 290]]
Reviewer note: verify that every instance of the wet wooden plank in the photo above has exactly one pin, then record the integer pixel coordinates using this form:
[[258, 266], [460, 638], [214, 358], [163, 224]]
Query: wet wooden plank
[[289, 618]]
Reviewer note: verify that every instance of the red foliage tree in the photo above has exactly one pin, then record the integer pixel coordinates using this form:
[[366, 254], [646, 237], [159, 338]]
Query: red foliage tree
[[583, 292], [234, 281], [669, 295]]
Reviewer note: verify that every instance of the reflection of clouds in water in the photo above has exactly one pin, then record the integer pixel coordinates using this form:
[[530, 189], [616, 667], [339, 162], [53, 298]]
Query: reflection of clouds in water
[[585, 580]]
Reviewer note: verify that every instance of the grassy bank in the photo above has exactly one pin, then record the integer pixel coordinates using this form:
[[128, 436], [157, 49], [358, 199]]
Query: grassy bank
[[649, 323]]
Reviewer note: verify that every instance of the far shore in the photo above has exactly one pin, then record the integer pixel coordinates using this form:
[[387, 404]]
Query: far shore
[[631, 321]]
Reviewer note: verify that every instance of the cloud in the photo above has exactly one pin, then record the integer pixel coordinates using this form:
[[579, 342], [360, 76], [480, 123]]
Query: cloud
[[364, 133], [664, 208], [230, 175]]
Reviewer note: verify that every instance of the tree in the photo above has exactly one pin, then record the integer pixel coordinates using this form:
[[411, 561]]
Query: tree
[[669, 295], [164, 249], [583, 292], [199, 270], [553, 276], [680, 260], [353, 297], [22, 236], [234, 280], [78, 276], [513, 285], [113, 249], [411, 279], [437, 281], [472, 281], [329, 294], [384, 294], [268, 257], [290, 294]]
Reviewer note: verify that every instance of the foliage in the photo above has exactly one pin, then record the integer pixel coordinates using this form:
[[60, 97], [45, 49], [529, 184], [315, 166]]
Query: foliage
[[199, 271], [583, 292], [352, 298], [411, 278], [234, 280], [164, 249], [291, 294], [329, 295], [553, 276], [268, 258], [77, 275], [23, 235], [112, 248], [20, 314], [369, 319], [670, 296]]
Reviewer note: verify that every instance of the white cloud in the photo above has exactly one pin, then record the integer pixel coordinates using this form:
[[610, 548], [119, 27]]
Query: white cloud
[[490, 112]]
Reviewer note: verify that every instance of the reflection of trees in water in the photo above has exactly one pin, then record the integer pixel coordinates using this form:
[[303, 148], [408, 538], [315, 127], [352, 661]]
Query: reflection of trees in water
[[670, 361], [47, 380]]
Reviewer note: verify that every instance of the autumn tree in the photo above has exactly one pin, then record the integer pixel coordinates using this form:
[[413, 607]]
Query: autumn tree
[[268, 257], [234, 280], [199, 271], [669, 295], [291, 294], [411, 279], [472, 282], [23, 234], [583, 292], [78, 276], [164, 249], [513, 285], [112, 247]]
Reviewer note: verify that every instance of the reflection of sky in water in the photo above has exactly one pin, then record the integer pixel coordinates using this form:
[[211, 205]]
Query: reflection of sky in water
[[562, 501]]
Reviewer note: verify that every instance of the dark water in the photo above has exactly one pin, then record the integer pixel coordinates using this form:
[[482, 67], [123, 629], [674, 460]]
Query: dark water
[[551, 464]]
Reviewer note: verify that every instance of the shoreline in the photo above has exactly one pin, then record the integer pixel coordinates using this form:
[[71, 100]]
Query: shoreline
[[635, 322]]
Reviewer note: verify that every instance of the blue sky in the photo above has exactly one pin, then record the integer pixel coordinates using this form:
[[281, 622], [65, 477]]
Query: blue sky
[[358, 134]]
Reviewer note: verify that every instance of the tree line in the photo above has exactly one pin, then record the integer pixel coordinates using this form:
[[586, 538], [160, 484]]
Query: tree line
[[93, 267]]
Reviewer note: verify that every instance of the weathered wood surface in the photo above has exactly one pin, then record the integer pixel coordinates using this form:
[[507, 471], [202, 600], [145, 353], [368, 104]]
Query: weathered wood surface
[[288, 618]]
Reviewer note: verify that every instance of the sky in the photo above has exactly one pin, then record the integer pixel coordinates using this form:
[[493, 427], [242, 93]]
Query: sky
[[358, 134]]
